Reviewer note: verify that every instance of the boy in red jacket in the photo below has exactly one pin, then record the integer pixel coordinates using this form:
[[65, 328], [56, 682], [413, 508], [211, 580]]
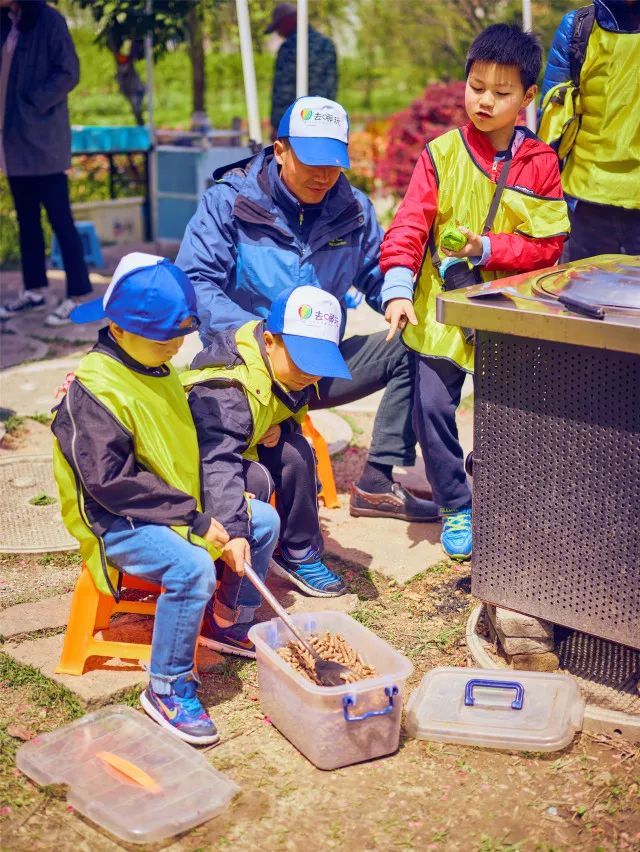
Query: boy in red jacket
[[501, 186]]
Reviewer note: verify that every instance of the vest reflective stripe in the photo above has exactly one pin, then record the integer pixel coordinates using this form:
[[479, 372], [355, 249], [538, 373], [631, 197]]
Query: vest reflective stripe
[[266, 409], [156, 413], [465, 192], [604, 164]]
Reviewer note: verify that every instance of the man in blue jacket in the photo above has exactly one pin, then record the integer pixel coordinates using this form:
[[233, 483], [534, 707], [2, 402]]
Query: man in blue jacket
[[287, 216]]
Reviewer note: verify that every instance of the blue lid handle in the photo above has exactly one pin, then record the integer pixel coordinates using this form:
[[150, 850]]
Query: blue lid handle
[[517, 702], [349, 700]]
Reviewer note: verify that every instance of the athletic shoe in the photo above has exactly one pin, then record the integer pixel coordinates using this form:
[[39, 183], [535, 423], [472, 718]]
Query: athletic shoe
[[314, 578], [26, 301], [181, 712], [227, 640], [456, 537], [61, 314]]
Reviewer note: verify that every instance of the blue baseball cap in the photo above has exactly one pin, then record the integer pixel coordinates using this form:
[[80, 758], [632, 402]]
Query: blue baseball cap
[[309, 320], [318, 130], [149, 296]]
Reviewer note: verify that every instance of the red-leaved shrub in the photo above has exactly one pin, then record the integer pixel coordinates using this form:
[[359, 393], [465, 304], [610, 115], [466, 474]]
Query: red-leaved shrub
[[440, 108]]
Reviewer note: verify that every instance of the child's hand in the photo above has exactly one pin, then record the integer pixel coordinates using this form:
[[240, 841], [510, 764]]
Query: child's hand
[[271, 437], [216, 534], [397, 314], [472, 248], [234, 554]]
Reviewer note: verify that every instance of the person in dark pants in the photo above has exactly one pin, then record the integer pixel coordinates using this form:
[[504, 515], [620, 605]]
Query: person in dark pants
[[322, 63], [38, 69], [289, 216]]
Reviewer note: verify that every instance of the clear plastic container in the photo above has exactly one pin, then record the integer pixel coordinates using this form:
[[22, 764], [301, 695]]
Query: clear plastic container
[[337, 725], [128, 775], [532, 711]]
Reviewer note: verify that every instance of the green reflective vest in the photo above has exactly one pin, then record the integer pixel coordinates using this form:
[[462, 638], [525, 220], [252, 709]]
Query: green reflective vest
[[256, 381], [155, 411], [603, 165], [466, 195]]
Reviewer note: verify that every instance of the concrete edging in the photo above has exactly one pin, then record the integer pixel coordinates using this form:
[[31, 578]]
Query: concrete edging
[[596, 719]]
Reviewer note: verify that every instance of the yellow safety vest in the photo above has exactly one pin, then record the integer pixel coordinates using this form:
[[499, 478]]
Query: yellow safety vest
[[603, 165], [254, 377], [156, 413], [465, 193]]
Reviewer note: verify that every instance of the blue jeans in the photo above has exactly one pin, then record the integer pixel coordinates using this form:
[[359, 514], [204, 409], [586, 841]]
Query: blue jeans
[[237, 599], [187, 574]]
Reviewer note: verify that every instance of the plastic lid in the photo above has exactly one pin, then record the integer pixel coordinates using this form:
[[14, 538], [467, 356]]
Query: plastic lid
[[533, 711], [127, 774]]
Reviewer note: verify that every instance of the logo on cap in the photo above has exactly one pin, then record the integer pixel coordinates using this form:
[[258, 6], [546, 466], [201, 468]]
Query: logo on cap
[[306, 114], [305, 312]]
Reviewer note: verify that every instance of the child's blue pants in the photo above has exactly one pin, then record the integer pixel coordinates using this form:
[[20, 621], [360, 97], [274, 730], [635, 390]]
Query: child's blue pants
[[187, 573], [438, 386]]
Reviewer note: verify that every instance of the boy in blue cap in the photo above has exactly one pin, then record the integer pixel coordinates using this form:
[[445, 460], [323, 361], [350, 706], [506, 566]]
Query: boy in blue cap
[[248, 392], [128, 471]]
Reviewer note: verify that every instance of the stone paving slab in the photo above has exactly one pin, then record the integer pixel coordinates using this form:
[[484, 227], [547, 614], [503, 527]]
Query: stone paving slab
[[393, 548], [29, 617], [31, 388], [104, 680], [100, 685]]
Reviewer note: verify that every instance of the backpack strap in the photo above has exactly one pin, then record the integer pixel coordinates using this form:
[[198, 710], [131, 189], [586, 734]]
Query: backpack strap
[[582, 26]]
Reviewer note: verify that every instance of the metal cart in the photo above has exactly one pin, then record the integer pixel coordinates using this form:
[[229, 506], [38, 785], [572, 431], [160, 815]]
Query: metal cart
[[556, 465]]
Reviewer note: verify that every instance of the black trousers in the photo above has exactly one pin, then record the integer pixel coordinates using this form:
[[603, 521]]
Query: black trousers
[[289, 469], [52, 193], [437, 396], [376, 364], [603, 229]]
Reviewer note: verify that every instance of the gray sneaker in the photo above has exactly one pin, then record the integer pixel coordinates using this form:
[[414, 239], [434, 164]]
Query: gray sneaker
[[26, 301], [61, 314]]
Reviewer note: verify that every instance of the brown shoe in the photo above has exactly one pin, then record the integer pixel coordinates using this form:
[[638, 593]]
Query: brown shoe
[[397, 503]]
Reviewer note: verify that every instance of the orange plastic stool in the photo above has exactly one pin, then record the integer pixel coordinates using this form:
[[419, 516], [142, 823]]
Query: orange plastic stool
[[91, 612], [328, 493]]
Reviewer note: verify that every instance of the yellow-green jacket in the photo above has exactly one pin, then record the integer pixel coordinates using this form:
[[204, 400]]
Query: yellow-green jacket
[[234, 400], [125, 448], [595, 125], [454, 182]]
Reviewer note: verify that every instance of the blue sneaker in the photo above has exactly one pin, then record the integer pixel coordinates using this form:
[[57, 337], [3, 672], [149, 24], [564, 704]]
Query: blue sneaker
[[181, 712], [227, 640], [314, 578], [456, 537]]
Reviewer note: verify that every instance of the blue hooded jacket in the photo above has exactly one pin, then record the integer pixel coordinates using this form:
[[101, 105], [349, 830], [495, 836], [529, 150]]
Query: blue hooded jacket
[[250, 238], [613, 15]]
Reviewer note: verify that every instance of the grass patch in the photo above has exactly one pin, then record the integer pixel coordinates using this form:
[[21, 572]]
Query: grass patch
[[45, 419], [43, 692], [42, 499], [435, 570], [14, 424], [65, 558]]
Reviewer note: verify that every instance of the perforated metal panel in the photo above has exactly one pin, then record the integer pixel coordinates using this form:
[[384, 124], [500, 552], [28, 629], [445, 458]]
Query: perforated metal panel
[[557, 483]]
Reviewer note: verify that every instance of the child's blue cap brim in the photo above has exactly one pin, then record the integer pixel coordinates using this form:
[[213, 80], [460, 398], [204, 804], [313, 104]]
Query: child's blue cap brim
[[316, 357], [88, 312]]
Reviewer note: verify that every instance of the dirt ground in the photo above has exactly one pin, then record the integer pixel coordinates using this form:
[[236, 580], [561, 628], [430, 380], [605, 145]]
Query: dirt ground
[[427, 796]]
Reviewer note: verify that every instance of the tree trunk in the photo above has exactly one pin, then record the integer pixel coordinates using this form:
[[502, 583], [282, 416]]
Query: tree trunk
[[196, 53]]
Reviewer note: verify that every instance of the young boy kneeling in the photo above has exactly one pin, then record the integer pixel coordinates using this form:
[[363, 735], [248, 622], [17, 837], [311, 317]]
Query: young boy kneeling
[[127, 464], [248, 393]]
